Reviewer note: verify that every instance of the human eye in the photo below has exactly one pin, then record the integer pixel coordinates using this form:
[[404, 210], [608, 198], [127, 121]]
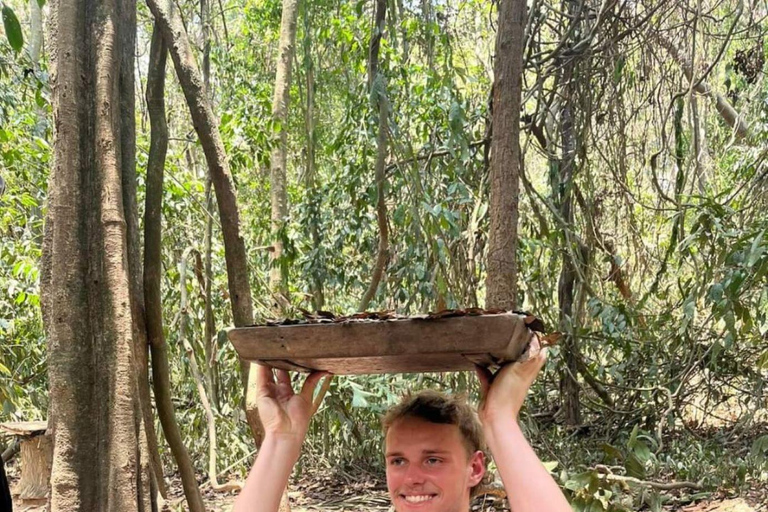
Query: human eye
[[396, 461], [433, 461]]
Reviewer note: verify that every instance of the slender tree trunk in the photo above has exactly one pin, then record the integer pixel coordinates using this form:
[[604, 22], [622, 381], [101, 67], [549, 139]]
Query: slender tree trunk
[[318, 295], [207, 130], [34, 49], [211, 366], [128, 152], [35, 36], [153, 269], [501, 281], [198, 376], [278, 172], [377, 84], [100, 446], [564, 191]]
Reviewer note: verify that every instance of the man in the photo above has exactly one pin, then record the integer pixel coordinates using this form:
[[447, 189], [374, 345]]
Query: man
[[433, 445]]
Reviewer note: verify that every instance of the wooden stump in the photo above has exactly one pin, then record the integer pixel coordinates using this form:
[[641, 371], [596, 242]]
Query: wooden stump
[[36, 460], [36, 453]]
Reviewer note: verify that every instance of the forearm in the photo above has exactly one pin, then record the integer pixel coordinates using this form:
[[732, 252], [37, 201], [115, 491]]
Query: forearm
[[529, 486], [269, 476]]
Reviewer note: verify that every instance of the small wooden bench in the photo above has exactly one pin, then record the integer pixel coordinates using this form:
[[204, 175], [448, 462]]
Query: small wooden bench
[[36, 452]]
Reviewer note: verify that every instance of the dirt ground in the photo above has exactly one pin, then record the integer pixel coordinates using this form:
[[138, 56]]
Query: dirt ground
[[323, 493]]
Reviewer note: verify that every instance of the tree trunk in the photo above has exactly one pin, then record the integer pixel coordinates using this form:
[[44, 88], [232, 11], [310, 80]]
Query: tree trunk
[[318, 295], [211, 366], [100, 446], [278, 173], [570, 389], [153, 268], [198, 376], [205, 124], [35, 39], [501, 281], [377, 84]]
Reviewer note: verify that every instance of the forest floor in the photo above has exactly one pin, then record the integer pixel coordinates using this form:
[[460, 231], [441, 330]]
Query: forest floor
[[326, 493]]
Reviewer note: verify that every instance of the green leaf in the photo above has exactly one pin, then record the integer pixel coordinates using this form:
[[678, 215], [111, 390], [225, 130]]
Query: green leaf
[[41, 3], [634, 467], [12, 29], [612, 452], [550, 465], [579, 481], [4, 369]]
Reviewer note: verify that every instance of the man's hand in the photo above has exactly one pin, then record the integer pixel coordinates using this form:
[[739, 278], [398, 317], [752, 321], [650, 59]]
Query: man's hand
[[529, 486], [285, 417], [284, 413], [503, 394]]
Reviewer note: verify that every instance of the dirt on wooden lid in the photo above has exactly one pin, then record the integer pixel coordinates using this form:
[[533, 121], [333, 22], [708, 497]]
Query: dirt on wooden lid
[[327, 317]]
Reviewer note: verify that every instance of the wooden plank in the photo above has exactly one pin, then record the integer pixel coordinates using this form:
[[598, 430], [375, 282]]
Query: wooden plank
[[24, 428], [391, 346]]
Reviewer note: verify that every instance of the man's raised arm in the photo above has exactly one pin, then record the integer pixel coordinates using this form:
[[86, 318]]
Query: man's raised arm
[[285, 417], [529, 486]]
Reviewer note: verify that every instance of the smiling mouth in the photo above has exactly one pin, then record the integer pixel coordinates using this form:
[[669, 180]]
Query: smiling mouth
[[417, 499]]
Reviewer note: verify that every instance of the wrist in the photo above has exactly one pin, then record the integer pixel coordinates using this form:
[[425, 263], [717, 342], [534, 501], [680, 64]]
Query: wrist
[[498, 425], [283, 444]]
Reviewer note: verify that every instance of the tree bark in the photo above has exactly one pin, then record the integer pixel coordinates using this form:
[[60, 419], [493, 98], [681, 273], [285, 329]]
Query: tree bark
[[318, 294], [158, 147], [378, 86], [35, 39], [205, 124], [211, 366], [278, 172], [100, 446], [570, 389], [501, 281]]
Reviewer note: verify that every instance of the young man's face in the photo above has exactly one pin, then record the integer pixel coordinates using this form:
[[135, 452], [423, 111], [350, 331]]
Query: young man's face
[[428, 468]]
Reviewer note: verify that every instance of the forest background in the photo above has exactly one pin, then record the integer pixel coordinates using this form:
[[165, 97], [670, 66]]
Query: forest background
[[364, 181]]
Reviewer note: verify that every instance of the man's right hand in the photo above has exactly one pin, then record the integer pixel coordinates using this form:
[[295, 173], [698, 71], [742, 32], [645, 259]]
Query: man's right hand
[[284, 413]]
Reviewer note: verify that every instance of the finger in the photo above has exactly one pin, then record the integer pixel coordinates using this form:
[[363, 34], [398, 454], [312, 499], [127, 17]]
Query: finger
[[284, 387], [535, 345], [308, 389], [264, 378], [485, 376]]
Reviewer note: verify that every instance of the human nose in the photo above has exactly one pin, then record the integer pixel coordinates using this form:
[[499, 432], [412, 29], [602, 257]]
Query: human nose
[[414, 475]]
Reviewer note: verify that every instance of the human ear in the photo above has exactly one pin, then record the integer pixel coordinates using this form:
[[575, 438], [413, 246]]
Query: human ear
[[477, 468]]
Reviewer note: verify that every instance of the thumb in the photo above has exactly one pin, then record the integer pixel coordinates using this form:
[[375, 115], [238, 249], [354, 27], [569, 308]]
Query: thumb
[[308, 389]]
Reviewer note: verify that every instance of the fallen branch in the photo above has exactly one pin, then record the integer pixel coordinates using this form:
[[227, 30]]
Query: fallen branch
[[606, 474]]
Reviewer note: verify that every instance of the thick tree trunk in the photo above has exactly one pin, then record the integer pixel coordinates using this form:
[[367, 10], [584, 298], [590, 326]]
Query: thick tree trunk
[[153, 269], [205, 124], [100, 446], [377, 84], [501, 281], [278, 173]]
